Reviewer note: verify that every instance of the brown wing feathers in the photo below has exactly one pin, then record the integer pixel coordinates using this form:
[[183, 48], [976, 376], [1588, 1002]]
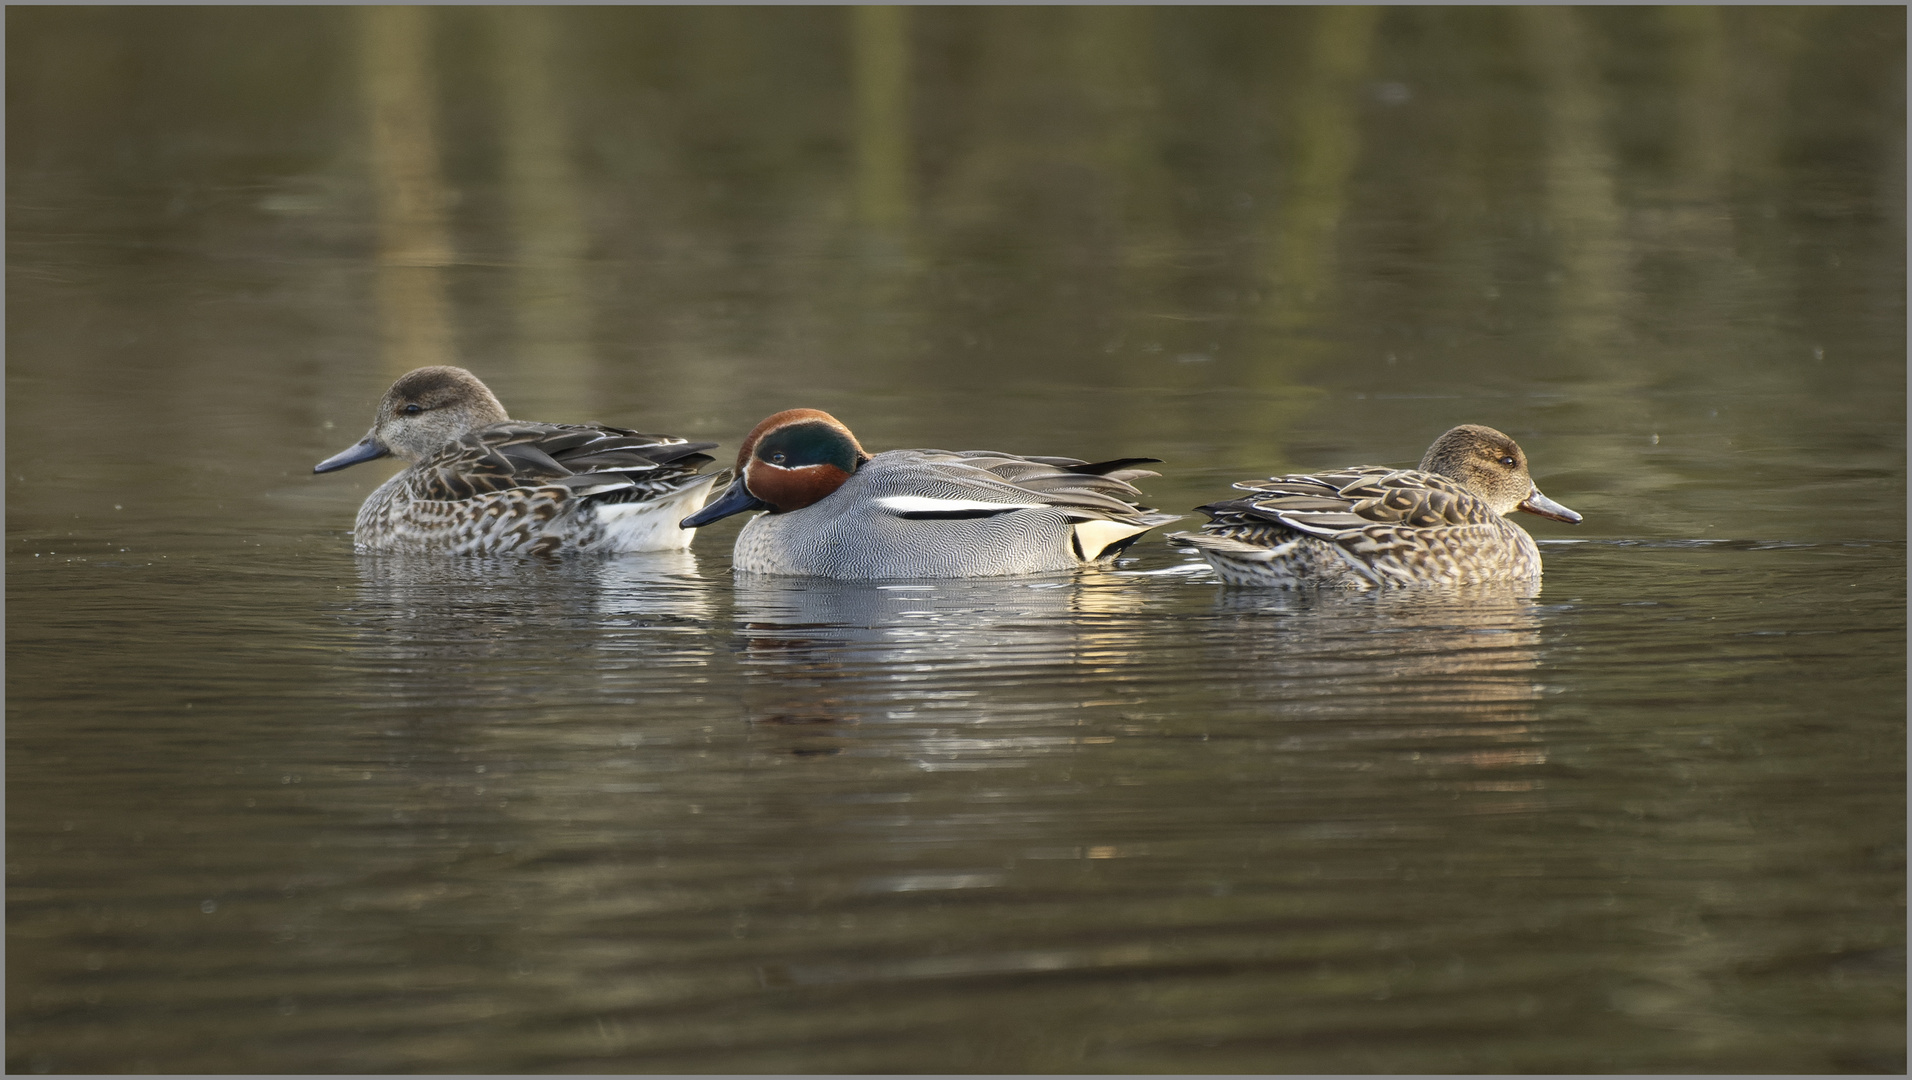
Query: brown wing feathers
[[587, 459], [1331, 504]]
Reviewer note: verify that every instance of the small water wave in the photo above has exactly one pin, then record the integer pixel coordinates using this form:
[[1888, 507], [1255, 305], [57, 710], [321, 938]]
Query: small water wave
[[1682, 544]]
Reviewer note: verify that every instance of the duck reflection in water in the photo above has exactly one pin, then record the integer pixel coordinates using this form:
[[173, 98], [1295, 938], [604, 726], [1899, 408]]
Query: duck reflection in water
[[452, 660], [817, 651], [1450, 676], [439, 617]]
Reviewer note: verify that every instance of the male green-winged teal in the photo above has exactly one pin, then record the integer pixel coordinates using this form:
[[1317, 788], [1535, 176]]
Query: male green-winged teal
[[1368, 526], [480, 483], [838, 511]]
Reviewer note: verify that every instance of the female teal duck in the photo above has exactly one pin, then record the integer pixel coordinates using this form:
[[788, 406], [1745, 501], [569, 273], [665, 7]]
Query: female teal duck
[[482, 484], [1367, 526], [838, 511]]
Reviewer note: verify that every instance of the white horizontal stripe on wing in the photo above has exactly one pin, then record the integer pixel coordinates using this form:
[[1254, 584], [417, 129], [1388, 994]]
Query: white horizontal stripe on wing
[[918, 504]]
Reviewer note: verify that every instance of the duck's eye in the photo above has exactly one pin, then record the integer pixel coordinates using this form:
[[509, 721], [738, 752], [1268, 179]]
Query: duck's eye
[[776, 459], [1508, 460], [413, 409]]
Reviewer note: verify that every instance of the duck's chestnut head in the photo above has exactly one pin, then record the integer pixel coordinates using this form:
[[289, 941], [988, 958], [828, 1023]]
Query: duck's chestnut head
[[791, 460]]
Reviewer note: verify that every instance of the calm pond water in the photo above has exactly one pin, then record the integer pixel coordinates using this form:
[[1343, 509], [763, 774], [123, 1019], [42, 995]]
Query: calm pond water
[[273, 806]]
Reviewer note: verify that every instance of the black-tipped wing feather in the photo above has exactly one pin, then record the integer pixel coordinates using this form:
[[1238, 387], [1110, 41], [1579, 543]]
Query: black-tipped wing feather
[[1350, 500], [615, 464]]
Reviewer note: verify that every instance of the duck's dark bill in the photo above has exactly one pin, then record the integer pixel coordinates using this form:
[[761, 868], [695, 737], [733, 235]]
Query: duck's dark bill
[[1547, 508], [735, 500], [366, 449]]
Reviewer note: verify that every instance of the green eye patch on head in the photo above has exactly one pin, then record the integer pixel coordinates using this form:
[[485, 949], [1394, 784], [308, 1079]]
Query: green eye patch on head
[[813, 443]]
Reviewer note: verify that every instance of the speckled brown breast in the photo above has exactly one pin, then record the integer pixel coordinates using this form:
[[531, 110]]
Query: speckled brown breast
[[540, 489]]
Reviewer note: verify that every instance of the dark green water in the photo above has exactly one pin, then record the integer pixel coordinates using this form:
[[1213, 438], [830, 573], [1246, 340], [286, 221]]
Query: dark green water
[[273, 806]]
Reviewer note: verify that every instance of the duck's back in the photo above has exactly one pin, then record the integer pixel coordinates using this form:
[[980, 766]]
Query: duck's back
[[1362, 527], [540, 489], [942, 514]]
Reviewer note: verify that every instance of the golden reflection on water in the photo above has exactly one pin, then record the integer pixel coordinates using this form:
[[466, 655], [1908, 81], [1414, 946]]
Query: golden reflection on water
[[550, 290], [1583, 214], [1325, 145], [414, 241], [275, 807], [880, 55]]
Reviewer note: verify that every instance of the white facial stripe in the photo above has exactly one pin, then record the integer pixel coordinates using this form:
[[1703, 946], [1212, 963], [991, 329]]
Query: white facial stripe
[[918, 504]]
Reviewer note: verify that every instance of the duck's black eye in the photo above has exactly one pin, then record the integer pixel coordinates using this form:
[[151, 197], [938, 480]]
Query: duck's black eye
[[413, 409], [1508, 460], [776, 459]]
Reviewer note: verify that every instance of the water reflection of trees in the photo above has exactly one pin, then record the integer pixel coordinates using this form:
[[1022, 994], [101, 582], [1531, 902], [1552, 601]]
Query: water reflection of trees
[[414, 243], [965, 130], [1163, 220], [1202, 207]]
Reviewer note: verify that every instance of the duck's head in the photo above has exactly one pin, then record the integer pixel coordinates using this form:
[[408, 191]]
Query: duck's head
[[1492, 466], [425, 410], [790, 461]]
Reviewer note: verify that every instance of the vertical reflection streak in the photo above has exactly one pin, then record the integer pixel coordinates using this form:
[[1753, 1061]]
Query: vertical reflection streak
[[1762, 69], [1298, 234], [1112, 57], [549, 291], [1582, 209], [881, 273], [413, 242], [880, 46], [1324, 147], [1703, 152]]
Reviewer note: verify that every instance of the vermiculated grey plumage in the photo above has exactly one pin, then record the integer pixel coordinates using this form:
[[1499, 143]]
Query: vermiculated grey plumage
[[868, 528]]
